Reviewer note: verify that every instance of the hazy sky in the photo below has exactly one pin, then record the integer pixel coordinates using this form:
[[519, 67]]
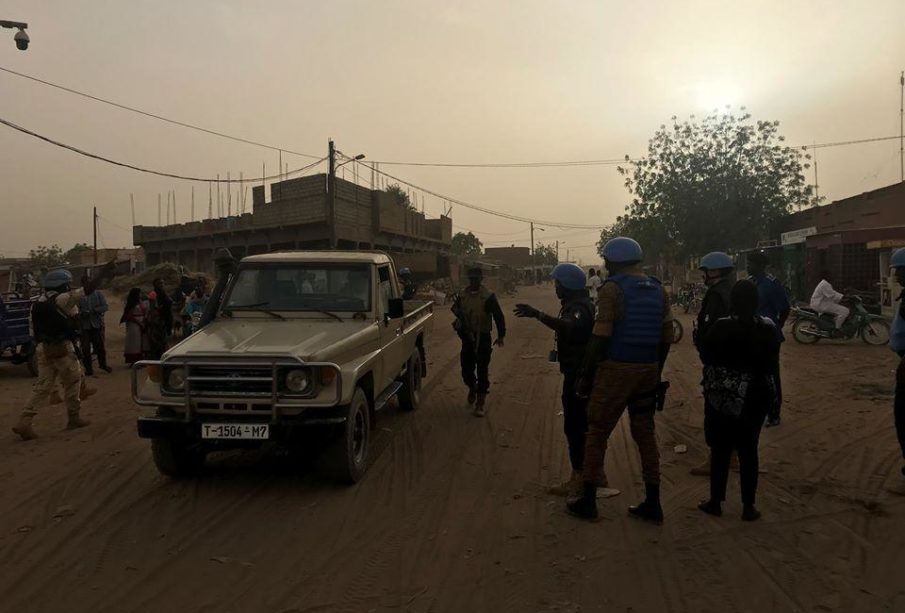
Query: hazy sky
[[411, 80]]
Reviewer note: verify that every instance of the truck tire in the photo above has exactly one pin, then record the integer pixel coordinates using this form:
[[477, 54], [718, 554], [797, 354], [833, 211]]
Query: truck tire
[[346, 459], [410, 393], [177, 459]]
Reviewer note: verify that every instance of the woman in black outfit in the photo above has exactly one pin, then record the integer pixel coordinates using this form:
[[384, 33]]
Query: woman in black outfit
[[740, 355]]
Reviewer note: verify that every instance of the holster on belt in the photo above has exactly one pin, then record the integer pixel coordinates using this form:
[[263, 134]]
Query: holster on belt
[[653, 400]]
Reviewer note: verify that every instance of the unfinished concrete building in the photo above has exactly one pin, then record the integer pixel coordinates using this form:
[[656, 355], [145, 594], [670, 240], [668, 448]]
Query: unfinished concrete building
[[301, 214]]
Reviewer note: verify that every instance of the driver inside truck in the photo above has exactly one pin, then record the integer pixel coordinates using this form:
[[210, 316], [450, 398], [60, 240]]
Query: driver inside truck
[[357, 285]]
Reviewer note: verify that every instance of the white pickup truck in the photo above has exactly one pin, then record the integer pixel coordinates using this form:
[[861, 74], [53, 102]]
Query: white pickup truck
[[301, 343]]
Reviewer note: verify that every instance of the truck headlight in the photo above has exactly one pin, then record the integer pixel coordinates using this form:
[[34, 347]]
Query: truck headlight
[[297, 381], [176, 380]]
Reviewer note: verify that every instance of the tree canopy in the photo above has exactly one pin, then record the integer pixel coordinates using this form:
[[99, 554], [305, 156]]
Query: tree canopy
[[717, 183], [401, 196], [44, 258], [466, 244], [545, 255]]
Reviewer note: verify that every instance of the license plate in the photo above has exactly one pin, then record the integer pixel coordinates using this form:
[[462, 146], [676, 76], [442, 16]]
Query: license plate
[[255, 432]]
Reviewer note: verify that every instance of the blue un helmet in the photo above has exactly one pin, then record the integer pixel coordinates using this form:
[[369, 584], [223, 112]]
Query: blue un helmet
[[570, 276], [622, 250], [404, 272], [716, 260], [898, 258], [57, 278]]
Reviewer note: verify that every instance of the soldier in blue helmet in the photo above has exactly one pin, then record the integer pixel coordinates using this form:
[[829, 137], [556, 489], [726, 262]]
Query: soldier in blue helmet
[[717, 268], [621, 369], [408, 283], [55, 329], [897, 344], [573, 328]]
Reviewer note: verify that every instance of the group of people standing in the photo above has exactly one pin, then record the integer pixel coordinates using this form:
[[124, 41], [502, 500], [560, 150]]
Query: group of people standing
[[612, 353]]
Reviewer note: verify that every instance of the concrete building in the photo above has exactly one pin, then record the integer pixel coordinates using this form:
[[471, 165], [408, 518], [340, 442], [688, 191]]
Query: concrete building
[[301, 214], [851, 238]]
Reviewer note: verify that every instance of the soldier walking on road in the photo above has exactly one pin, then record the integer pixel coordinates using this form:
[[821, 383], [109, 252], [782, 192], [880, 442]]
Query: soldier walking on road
[[717, 268], [55, 332], [573, 330], [622, 367], [477, 310], [897, 344], [774, 305]]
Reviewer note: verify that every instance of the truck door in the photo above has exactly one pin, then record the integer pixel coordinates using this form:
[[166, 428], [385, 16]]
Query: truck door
[[391, 332]]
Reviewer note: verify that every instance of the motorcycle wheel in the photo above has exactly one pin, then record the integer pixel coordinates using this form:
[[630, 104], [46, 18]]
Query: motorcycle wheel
[[800, 334], [875, 332]]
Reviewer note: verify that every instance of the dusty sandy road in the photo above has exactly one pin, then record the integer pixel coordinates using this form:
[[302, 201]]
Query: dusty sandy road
[[453, 516]]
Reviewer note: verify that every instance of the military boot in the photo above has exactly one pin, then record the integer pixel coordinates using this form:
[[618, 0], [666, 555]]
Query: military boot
[[85, 391], [585, 505], [570, 487], [75, 421], [650, 509], [23, 428], [480, 399]]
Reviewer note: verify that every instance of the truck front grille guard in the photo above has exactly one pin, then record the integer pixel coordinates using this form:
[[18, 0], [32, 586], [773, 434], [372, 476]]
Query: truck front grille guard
[[277, 401]]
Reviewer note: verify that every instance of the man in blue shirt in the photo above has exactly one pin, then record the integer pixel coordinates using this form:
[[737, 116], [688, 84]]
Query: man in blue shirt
[[773, 303]]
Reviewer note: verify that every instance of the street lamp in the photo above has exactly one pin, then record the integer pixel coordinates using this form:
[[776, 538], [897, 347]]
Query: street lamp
[[21, 36], [334, 240]]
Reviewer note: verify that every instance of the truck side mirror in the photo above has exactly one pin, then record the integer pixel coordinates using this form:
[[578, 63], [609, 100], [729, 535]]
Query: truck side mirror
[[396, 308]]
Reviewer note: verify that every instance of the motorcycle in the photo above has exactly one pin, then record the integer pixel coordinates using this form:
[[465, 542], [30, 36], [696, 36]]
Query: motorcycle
[[810, 326]]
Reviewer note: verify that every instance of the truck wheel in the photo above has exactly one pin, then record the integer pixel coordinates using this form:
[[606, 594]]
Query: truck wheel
[[177, 459], [346, 460], [410, 393]]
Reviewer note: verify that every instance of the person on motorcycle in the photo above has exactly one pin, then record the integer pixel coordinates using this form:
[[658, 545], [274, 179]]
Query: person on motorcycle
[[897, 344], [826, 300], [717, 268]]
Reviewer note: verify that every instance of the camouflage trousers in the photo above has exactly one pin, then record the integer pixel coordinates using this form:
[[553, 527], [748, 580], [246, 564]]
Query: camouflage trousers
[[56, 362], [615, 384]]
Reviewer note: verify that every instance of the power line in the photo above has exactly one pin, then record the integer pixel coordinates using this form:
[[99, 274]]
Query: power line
[[147, 170], [155, 116], [467, 205]]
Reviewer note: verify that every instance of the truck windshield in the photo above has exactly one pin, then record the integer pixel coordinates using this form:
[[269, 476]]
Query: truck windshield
[[314, 287]]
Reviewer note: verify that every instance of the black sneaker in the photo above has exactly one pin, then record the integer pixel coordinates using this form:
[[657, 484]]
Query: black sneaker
[[648, 511], [472, 396], [750, 513], [583, 507], [711, 508]]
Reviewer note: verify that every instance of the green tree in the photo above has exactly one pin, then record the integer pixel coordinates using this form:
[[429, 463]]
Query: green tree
[[76, 249], [545, 255], [401, 196], [466, 244], [716, 183], [44, 258]]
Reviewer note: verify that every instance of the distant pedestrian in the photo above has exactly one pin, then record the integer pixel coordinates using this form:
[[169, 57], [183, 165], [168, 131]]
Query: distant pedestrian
[[773, 303], [594, 283], [573, 330], [92, 308], [156, 328], [164, 306], [477, 310], [740, 355], [897, 344], [135, 316]]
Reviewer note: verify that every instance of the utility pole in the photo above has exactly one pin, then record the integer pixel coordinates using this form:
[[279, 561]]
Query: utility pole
[[533, 259], [557, 251], [331, 186], [902, 126], [158, 209], [132, 202], [816, 184], [94, 227], [193, 203]]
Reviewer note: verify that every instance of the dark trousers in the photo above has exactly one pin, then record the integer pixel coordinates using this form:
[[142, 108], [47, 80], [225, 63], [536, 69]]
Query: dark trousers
[[899, 413], [776, 409], [575, 420], [726, 434], [475, 361], [93, 341]]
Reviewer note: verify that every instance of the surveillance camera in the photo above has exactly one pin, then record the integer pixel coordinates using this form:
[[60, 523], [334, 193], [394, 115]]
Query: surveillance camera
[[21, 40]]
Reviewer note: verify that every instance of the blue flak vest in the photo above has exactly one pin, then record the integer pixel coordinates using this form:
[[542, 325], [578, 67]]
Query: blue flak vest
[[897, 334], [637, 336]]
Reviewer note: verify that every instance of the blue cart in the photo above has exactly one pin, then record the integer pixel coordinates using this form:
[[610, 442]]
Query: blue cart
[[16, 342]]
